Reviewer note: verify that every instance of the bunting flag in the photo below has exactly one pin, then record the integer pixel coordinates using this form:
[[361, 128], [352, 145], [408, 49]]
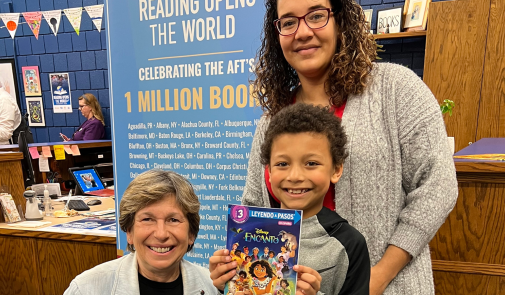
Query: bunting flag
[[74, 17], [11, 21], [33, 19], [53, 18], [95, 12]]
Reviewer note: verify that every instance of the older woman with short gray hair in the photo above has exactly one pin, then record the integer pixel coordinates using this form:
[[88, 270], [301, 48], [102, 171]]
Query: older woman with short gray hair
[[159, 213]]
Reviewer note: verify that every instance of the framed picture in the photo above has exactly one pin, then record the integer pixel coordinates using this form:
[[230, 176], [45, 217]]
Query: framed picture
[[8, 78], [416, 14], [389, 20], [60, 92], [368, 18], [31, 81], [35, 109]]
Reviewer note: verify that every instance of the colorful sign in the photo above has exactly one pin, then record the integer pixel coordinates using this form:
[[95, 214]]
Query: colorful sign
[[60, 91], [31, 81], [181, 100], [36, 111], [33, 19]]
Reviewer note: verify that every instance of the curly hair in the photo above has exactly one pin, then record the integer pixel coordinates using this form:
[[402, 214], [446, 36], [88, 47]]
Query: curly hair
[[349, 69], [299, 118], [263, 263]]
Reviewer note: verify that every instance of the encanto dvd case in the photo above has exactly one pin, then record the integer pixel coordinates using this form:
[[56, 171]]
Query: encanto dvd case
[[264, 243]]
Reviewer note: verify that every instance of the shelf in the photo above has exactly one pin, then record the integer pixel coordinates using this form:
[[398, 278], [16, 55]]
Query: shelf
[[399, 35]]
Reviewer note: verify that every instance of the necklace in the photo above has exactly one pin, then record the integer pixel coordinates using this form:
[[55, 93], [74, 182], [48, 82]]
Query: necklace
[[261, 285]]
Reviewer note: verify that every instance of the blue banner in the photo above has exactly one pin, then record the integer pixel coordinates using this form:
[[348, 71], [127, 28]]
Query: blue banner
[[181, 100]]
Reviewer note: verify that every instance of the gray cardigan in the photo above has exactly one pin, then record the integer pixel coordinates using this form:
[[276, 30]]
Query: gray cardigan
[[399, 181], [120, 276]]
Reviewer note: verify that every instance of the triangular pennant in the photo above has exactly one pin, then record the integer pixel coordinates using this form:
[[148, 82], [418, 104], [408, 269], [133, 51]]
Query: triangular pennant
[[33, 19], [95, 12], [53, 18], [74, 17], [11, 21]]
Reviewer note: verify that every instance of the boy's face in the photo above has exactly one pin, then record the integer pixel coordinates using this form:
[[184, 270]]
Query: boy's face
[[301, 169]]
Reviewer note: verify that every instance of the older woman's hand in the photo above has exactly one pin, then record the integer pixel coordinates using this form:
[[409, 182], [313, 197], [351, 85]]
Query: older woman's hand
[[309, 280], [222, 269]]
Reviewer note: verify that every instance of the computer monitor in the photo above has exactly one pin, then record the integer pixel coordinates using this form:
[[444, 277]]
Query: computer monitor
[[87, 179], [26, 163]]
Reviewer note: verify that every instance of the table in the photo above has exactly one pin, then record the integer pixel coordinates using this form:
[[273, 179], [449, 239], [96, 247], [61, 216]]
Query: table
[[40, 262]]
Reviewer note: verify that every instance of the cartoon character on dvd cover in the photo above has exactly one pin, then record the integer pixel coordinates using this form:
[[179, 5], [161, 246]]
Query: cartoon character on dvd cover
[[264, 243]]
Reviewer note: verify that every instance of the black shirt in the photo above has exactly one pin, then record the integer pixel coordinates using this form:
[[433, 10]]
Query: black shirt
[[148, 287]]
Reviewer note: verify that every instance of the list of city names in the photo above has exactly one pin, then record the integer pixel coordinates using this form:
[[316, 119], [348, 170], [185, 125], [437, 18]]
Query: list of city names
[[212, 155]]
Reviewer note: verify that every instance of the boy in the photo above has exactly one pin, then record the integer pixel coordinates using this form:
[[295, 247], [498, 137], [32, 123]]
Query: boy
[[304, 151]]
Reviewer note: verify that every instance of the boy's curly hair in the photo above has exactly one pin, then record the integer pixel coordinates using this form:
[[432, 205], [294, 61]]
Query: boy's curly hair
[[349, 69], [299, 118]]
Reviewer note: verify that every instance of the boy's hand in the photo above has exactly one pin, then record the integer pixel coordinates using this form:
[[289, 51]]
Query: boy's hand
[[222, 269], [309, 280]]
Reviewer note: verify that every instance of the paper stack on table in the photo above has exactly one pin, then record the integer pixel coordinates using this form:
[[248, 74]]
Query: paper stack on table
[[30, 224]]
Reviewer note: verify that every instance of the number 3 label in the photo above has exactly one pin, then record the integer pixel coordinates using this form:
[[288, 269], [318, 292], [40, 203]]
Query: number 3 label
[[239, 214]]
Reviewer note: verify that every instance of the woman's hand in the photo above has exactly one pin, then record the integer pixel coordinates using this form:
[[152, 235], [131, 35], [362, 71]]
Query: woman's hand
[[391, 263], [378, 281], [65, 138], [222, 269], [309, 280]]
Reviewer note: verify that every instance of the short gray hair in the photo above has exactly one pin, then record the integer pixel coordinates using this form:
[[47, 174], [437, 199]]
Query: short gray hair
[[152, 186]]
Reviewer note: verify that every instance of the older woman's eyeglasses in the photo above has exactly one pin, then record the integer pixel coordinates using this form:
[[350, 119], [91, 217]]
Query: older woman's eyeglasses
[[315, 19], [82, 106]]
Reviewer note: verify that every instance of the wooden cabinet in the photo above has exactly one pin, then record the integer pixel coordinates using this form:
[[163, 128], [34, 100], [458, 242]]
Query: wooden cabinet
[[465, 62]]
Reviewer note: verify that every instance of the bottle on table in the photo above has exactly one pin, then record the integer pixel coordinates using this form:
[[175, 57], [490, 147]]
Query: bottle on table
[[47, 202]]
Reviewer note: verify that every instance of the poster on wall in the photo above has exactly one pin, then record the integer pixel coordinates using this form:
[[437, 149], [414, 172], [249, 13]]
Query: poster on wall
[[181, 100], [35, 109], [8, 78], [60, 92], [31, 81]]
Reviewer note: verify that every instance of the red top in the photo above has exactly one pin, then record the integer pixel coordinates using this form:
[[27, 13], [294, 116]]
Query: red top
[[329, 198]]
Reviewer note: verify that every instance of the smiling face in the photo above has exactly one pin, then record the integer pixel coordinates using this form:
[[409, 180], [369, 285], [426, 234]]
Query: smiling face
[[308, 51], [259, 271], [301, 173], [160, 235], [256, 251]]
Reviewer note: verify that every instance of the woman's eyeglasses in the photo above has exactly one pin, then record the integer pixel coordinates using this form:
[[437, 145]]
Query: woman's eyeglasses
[[80, 107], [315, 19]]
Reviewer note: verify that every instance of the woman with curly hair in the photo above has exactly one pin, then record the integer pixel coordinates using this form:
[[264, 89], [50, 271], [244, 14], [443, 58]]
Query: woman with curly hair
[[263, 277], [399, 181]]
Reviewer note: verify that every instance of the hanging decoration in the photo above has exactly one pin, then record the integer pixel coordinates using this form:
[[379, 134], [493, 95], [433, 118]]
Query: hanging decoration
[[95, 12], [33, 19], [53, 18], [74, 17], [11, 21]]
